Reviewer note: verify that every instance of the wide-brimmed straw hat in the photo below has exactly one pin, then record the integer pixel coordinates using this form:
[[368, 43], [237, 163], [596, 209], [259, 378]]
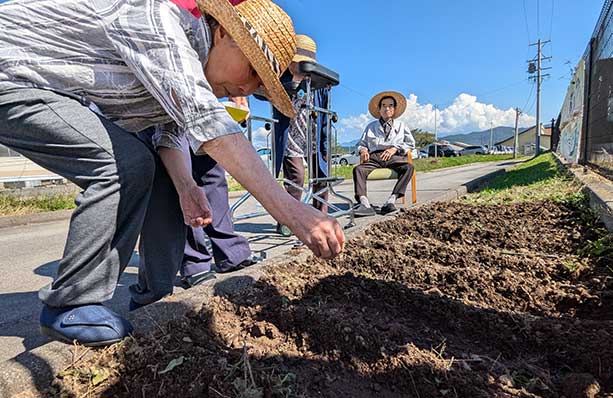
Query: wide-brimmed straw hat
[[265, 34], [306, 49], [401, 103]]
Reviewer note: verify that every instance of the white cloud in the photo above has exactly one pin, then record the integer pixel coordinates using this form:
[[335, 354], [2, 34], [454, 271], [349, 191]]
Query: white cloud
[[259, 137], [464, 115], [356, 122]]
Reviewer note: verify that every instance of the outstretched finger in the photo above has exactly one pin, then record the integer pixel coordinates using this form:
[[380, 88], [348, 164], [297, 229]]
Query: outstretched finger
[[314, 248], [334, 244], [340, 236], [323, 248]]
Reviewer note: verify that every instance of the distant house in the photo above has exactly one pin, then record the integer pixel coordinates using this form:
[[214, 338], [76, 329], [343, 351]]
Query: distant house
[[527, 140]]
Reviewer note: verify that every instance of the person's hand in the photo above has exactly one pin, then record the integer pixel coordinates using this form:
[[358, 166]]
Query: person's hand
[[195, 207], [364, 155], [388, 153], [319, 232]]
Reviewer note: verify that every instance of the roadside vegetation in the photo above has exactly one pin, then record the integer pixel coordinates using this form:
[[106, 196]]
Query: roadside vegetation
[[538, 179], [15, 206]]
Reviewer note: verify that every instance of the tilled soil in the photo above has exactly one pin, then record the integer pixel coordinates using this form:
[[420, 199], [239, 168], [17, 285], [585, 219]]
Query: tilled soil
[[446, 300]]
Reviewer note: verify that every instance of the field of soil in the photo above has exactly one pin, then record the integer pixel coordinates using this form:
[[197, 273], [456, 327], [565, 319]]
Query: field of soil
[[446, 300]]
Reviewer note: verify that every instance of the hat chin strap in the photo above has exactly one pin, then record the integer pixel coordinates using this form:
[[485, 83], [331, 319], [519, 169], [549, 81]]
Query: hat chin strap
[[270, 56]]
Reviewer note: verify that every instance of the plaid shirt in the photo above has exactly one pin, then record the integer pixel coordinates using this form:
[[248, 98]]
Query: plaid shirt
[[139, 61]]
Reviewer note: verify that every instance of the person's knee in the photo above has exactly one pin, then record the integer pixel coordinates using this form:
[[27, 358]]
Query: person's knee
[[403, 168], [145, 163], [137, 170], [359, 170]]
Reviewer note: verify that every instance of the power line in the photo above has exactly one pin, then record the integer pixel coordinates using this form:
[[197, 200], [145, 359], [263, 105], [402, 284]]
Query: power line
[[531, 106], [526, 19], [551, 21], [486, 93], [529, 97], [353, 90]]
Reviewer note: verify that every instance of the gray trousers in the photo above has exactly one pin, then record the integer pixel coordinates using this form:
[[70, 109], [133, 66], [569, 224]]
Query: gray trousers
[[124, 192]]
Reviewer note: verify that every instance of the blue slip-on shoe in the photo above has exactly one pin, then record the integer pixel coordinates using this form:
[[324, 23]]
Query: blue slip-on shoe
[[89, 325]]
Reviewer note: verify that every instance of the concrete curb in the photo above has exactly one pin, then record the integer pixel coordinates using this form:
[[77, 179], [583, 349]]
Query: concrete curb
[[598, 188], [12, 221], [26, 375]]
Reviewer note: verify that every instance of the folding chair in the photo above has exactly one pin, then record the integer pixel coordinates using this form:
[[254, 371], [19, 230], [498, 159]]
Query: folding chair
[[389, 174]]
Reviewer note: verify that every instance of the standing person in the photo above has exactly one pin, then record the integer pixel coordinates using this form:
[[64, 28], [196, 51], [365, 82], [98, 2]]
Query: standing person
[[385, 143], [79, 78], [296, 150], [228, 250]]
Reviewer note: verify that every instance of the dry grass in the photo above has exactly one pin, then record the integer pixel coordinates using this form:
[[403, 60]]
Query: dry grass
[[13, 206]]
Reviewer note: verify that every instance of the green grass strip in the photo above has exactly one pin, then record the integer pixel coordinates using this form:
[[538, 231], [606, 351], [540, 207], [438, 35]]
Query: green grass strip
[[538, 179]]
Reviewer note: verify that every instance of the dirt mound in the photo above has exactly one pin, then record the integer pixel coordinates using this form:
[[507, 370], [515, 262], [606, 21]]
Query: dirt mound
[[447, 300]]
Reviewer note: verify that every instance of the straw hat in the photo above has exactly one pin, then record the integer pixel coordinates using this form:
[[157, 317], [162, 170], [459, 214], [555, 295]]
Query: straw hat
[[401, 103], [305, 49], [265, 34]]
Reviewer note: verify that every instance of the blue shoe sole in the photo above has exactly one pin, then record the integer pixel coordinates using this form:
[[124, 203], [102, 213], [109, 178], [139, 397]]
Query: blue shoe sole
[[52, 334]]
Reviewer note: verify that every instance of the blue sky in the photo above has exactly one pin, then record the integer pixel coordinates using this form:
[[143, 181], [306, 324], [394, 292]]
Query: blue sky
[[444, 52]]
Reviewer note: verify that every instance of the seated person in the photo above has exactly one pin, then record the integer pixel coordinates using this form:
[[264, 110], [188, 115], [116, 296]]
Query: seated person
[[384, 144]]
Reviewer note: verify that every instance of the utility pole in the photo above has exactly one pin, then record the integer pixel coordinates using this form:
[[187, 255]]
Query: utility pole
[[553, 123], [435, 132], [516, 140], [539, 79], [491, 136]]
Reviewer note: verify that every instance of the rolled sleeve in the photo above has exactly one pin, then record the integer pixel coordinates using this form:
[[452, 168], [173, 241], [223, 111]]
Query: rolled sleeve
[[209, 128], [168, 136], [154, 45]]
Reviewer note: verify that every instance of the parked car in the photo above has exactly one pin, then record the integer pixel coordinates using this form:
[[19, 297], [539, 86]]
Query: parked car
[[500, 150], [442, 151], [474, 150], [347, 159]]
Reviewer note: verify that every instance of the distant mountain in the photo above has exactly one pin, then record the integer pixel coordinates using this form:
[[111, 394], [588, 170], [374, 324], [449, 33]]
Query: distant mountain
[[350, 143], [482, 137], [474, 138]]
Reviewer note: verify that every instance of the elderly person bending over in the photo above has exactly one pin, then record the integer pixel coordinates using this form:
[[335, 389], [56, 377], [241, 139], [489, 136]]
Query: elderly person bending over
[[384, 144], [79, 78]]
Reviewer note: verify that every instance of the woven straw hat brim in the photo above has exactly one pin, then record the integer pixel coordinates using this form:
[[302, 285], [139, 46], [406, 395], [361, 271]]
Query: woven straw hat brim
[[228, 17], [401, 104]]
